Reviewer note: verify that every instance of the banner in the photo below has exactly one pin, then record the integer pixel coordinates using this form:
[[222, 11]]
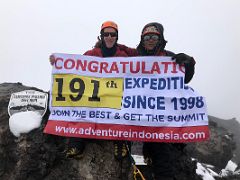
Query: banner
[[134, 98]]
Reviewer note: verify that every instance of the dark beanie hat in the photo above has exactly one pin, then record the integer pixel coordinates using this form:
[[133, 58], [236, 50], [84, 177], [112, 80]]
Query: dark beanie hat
[[152, 28]]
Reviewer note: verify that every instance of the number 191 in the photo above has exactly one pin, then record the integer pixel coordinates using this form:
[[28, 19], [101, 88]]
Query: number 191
[[80, 90]]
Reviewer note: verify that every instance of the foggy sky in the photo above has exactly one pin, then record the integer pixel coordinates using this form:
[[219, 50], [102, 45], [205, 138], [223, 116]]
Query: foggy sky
[[207, 30]]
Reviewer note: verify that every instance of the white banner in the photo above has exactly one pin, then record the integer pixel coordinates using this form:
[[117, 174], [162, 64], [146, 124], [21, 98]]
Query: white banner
[[92, 97]]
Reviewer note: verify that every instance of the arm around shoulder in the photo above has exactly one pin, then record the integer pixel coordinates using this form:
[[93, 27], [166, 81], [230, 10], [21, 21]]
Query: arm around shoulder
[[129, 51]]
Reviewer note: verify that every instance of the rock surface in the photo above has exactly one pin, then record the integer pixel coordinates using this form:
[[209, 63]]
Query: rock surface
[[218, 150], [38, 156]]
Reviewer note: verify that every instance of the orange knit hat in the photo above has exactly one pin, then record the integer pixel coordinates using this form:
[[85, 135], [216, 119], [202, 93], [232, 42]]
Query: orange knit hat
[[109, 24]]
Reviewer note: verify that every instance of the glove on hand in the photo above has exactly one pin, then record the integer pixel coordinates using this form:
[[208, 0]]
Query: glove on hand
[[182, 59]]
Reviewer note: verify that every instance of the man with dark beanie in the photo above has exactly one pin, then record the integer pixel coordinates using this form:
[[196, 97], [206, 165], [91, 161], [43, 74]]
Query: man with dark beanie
[[152, 43], [161, 157]]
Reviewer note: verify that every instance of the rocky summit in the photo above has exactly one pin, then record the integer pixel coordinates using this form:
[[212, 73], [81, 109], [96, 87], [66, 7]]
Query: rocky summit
[[39, 156]]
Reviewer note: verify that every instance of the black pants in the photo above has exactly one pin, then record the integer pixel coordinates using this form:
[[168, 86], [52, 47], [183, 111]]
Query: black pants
[[163, 157], [76, 143]]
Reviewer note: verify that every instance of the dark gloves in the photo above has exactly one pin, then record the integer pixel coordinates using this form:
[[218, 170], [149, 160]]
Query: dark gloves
[[183, 59], [52, 59], [188, 62]]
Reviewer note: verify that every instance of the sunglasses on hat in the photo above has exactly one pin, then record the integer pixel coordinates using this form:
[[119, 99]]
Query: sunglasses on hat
[[112, 34], [153, 37]]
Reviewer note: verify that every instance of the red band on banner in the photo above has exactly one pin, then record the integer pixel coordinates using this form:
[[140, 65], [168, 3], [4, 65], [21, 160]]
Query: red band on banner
[[127, 132]]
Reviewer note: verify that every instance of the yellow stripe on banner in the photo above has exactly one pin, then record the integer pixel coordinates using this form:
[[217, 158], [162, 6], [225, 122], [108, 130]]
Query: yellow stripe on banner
[[73, 91]]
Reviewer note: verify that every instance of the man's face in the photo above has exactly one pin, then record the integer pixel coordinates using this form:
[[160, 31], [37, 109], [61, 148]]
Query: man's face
[[109, 37], [150, 41]]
